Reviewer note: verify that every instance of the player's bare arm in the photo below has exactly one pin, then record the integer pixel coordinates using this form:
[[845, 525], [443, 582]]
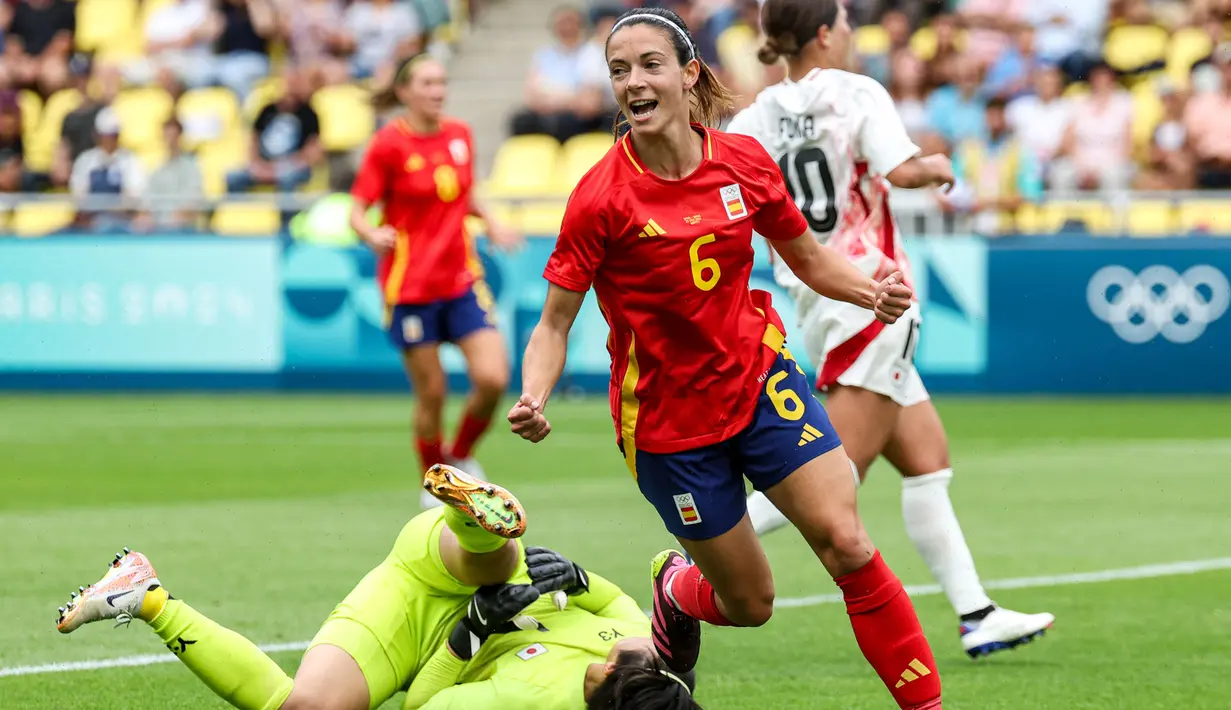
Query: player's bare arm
[[379, 238], [922, 171], [828, 273], [544, 361]]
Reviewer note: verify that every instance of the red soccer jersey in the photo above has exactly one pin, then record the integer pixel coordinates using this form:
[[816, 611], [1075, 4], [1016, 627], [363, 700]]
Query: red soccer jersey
[[424, 182], [669, 262]]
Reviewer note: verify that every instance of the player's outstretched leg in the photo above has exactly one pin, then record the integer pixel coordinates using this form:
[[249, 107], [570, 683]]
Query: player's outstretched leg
[[231, 665], [919, 450], [492, 512]]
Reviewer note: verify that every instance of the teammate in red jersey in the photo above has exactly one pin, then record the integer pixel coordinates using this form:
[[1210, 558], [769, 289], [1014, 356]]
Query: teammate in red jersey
[[419, 166], [703, 391]]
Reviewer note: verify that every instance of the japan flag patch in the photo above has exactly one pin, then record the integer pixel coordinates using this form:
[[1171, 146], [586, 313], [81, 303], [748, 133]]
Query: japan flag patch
[[733, 201], [532, 651], [687, 508]]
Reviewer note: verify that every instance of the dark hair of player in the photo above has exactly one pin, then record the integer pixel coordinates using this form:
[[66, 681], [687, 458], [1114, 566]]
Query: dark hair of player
[[387, 98], [791, 24], [710, 100], [640, 681]]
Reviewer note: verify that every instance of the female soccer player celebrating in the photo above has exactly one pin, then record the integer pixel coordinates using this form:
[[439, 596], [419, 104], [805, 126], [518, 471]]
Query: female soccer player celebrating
[[829, 128], [703, 391], [419, 166]]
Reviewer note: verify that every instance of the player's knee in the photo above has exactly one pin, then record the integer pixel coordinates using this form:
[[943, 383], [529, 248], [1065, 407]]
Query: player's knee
[[753, 607], [491, 382], [431, 397]]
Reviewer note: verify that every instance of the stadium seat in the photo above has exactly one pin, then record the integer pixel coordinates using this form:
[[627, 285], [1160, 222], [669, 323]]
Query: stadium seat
[[122, 48], [217, 158], [1207, 216], [578, 155], [265, 92], [1077, 89], [524, 167], [1150, 218], [31, 112], [1130, 47], [871, 40], [246, 219], [1147, 112], [207, 114], [1051, 217], [347, 116], [100, 20], [542, 220], [923, 42], [35, 219], [142, 113], [41, 144], [1187, 47]]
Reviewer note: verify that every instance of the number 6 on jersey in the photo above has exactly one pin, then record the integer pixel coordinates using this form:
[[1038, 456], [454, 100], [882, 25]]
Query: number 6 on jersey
[[700, 266]]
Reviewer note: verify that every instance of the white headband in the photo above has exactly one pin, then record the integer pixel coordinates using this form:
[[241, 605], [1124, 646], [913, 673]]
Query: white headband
[[692, 53], [671, 675]]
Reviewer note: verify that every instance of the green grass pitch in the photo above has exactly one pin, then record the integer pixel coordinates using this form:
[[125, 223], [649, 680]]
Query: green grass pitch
[[264, 511]]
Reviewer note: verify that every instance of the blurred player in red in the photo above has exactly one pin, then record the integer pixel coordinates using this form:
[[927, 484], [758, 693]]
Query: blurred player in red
[[703, 391], [420, 167], [838, 140]]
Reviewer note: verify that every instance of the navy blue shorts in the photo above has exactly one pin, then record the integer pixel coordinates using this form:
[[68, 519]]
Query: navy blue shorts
[[700, 493], [442, 321]]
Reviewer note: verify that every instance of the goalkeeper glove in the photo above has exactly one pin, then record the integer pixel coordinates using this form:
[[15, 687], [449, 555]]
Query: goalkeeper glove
[[494, 609], [551, 571]]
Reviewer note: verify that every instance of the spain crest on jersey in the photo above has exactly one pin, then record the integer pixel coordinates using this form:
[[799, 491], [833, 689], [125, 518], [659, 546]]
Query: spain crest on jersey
[[459, 150], [733, 201]]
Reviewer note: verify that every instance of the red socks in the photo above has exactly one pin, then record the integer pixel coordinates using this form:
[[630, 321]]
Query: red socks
[[889, 634], [468, 432], [694, 596], [429, 452]]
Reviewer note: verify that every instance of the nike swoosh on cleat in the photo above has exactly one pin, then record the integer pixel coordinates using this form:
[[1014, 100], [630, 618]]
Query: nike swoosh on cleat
[[111, 598]]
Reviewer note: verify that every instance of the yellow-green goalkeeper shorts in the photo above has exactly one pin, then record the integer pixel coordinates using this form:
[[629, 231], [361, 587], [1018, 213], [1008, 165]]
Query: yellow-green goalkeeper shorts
[[402, 611]]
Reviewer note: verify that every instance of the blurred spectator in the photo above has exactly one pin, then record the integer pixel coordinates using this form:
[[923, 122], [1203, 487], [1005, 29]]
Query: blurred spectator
[[1097, 148], [107, 169], [1207, 122], [1169, 165], [880, 66], [177, 46], [77, 131], [316, 35], [955, 111], [286, 142], [1041, 119], [1010, 74], [244, 28], [39, 43], [175, 192], [1069, 33], [990, 26], [941, 65], [12, 149], [382, 32], [906, 89], [737, 51], [565, 87], [1000, 173]]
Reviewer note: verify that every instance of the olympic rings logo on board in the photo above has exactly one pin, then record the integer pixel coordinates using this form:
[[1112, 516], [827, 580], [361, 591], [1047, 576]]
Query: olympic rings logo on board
[[1158, 301]]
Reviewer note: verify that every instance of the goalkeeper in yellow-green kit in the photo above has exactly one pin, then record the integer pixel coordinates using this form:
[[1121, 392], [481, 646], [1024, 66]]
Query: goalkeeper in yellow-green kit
[[460, 615]]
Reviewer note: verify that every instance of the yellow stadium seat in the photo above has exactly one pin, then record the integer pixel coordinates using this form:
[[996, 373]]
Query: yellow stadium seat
[[121, 48], [347, 116], [542, 220], [524, 167], [1130, 47], [1151, 218], [142, 113], [41, 143], [1212, 216], [1147, 112], [207, 114], [246, 219], [871, 40], [1050, 217], [578, 155], [217, 158], [34, 219], [152, 157], [265, 92], [100, 20], [31, 112], [1187, 46], [923, 42], [6, 216], [1077, 89]]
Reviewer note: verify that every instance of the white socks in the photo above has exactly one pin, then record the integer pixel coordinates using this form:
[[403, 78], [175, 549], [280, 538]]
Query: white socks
[[932, 525]]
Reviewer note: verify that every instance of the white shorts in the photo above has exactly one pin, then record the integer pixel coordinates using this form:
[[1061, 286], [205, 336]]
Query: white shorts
[[850, 347]]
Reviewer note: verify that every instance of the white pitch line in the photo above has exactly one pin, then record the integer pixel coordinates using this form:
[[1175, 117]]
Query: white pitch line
[[1111, 575]]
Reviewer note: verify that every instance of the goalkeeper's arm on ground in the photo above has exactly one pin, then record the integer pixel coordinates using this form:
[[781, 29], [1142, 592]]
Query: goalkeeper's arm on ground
[[552, 571]]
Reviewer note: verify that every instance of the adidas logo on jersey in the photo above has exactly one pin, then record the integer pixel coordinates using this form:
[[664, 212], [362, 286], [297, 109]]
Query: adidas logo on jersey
[[809, 435], [652, 230], [916, 671]]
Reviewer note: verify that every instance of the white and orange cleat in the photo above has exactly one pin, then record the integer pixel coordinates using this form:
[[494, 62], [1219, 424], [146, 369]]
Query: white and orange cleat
[[118, 595]]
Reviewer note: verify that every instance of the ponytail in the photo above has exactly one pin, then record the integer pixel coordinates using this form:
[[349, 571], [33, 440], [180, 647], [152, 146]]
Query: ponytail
[[386, 98], [711, 99]]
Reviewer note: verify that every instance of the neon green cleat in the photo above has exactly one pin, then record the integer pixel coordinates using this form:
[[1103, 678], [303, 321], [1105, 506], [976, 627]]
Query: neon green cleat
[[492, 507]]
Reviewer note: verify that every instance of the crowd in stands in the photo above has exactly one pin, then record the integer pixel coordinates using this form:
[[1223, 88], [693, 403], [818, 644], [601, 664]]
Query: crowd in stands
[[176, 101]]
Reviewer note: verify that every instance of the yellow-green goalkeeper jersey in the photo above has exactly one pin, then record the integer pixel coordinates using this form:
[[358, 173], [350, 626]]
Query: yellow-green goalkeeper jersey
[[544, 670]]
